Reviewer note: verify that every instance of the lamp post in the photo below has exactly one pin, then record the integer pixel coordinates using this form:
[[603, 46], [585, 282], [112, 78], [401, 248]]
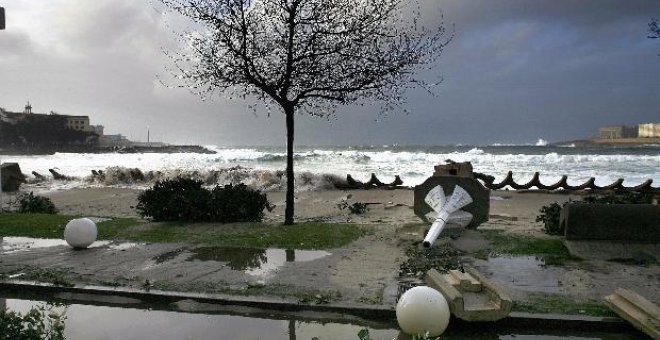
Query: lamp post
[[2, 26], [0, 186]]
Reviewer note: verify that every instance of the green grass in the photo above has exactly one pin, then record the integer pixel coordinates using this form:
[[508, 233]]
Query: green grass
[[251, 235], [557, 304], [552, 250], [52, 226]]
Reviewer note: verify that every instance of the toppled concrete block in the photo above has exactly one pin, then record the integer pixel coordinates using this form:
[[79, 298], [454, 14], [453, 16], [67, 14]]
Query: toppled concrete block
[[637, 310], [617, 222], [479, 208], [470, 295], [463, 281], [12, 177], [454, 169]]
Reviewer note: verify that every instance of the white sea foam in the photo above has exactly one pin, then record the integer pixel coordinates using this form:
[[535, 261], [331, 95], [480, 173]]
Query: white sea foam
[[322, 167], [542, 142]]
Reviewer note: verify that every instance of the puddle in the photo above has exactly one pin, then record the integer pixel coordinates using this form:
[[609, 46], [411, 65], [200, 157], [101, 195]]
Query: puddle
[[94, 322], [16, 244], [84, 321], [256, 262], [524, 272], [260, 263]]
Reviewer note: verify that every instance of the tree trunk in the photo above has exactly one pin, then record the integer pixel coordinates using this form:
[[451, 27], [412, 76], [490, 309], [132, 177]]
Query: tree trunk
[[288, 211]]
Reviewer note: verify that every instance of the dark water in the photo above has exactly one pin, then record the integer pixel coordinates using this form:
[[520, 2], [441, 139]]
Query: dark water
[[103, 322], [502, 149]]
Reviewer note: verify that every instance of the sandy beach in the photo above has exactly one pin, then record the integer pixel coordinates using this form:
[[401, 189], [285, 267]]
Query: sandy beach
[[385, 206]]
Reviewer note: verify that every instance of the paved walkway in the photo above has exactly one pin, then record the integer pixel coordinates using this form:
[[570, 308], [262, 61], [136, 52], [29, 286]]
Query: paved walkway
[[364, 272]]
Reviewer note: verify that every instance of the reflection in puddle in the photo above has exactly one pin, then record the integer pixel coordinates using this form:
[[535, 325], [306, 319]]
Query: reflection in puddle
[[261, 263], [236, 258], [94, 322], [255, 262], [16, 244], [101, 322], [524, 272]]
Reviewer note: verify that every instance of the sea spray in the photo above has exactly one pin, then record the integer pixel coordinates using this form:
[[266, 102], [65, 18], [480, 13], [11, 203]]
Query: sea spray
[[318, 168], [266, 180]]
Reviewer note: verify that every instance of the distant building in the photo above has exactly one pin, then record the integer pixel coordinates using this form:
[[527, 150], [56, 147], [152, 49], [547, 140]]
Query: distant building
[[114, 140], [649, 130], [78, 123], [98, 129], [617, 131]]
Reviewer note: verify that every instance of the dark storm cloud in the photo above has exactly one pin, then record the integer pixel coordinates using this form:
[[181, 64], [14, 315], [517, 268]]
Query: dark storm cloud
[[15, 44], [518, 70], [515, 71]]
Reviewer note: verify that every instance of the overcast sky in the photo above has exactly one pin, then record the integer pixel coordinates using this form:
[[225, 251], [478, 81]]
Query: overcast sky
[[516, 71]]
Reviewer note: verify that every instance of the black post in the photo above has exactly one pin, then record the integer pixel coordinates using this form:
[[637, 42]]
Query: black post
[[288, 210], [2, 18]]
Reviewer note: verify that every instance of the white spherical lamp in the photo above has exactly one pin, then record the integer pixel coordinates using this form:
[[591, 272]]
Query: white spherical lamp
[[423, 310], [80, 233]]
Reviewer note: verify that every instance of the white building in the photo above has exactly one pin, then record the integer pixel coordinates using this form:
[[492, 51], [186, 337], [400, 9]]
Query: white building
[[649, 130], [78, 123]]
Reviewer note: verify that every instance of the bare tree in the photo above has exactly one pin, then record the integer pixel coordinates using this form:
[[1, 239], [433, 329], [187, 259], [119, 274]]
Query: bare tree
[[306, 56]]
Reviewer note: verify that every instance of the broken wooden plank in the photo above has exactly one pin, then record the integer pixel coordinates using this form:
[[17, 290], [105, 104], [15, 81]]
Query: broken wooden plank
[[637, 310]]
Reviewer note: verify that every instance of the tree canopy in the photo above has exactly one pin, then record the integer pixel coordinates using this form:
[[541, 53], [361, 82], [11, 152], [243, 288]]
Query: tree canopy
[[307, 56]]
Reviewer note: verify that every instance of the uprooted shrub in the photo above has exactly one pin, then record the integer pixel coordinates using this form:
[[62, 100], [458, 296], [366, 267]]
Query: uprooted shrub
[[31, 204], [357, 208], [550, 213], [184, 199]]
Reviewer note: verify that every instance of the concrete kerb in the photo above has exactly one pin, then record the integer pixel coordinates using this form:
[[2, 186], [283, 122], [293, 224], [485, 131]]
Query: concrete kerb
[[259, 305], [127, 297]]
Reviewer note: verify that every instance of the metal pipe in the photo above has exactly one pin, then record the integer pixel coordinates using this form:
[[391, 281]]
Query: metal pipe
[[436, 228]]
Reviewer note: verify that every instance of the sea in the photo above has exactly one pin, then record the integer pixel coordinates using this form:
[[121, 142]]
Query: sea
[[319, 168]]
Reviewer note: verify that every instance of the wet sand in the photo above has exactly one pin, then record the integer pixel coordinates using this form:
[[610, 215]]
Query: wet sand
[[385, 206]]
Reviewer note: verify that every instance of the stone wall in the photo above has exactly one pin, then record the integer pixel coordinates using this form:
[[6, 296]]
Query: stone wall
[[616, 222]]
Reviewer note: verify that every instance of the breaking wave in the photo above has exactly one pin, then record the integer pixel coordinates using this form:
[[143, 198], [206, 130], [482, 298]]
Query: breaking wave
[[266, 180], [321, 168]]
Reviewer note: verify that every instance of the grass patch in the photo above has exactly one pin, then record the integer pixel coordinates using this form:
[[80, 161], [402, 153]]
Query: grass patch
[[552, 250], [557, 304], [299, 236], [249, 235], [33, 225], [110, 229], [52, 226]]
